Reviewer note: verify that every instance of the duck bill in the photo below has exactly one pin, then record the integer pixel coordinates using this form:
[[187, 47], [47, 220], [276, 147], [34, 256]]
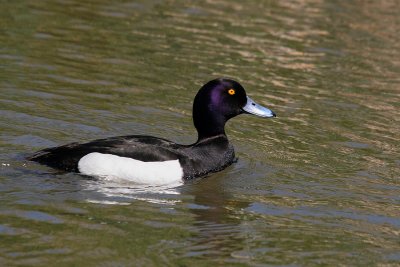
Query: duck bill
[[252, 107]]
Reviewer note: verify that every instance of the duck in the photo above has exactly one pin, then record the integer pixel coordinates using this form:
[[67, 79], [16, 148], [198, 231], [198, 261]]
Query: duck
[[152, 160]]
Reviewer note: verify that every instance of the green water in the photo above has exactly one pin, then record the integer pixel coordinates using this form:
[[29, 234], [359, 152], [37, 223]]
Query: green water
[[318, 185]]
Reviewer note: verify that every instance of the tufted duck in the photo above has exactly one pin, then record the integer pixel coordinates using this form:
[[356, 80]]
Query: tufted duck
[[152, 160]]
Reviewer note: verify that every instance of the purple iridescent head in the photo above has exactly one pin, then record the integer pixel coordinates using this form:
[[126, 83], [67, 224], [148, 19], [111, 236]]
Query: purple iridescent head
[[219, 100]]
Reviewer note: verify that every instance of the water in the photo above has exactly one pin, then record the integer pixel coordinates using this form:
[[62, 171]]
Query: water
[[318, 185]]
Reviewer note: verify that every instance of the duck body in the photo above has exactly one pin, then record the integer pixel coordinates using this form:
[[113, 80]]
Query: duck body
[[207, 156], [152, 160]]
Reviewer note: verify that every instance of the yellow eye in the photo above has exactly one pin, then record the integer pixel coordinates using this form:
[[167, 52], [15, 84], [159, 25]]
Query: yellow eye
[[231, 91]]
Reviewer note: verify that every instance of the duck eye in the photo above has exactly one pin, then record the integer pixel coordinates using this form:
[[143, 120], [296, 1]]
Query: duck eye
[[231, 91]]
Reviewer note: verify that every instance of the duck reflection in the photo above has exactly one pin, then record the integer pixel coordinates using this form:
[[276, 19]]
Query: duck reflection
[[122, 193], [218, 222], [215, 209]]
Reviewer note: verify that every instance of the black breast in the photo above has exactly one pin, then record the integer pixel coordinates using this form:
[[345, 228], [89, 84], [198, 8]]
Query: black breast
[[207, 156]]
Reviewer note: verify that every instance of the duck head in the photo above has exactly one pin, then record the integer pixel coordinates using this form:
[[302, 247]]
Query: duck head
[[219, 100]]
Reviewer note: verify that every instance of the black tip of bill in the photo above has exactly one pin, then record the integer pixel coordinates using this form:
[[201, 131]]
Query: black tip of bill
[[252, 107]]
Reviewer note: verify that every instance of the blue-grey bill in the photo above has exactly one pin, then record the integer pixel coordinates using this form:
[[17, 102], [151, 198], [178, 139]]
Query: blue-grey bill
[[256, 109]]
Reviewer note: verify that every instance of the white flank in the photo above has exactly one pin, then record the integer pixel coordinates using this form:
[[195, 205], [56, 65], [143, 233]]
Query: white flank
[[112, 166]]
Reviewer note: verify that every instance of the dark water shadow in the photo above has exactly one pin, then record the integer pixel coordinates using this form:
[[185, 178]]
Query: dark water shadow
[[217, 216]]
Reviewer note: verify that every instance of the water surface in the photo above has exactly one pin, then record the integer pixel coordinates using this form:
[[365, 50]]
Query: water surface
[[319, 185]]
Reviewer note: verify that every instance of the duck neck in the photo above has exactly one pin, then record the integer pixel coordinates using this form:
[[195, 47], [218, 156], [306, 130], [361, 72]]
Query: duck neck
[[208, 135], [209, 126]]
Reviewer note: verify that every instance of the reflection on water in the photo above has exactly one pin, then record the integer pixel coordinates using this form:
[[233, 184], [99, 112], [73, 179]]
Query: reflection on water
[[318, 185], [118, 192]]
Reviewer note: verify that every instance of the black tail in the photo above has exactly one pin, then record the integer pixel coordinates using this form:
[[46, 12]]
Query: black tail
[[62, 157]]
